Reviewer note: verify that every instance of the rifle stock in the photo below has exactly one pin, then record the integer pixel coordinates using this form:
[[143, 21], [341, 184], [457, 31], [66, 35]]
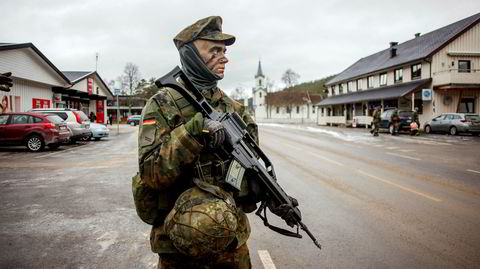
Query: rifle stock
[[240, 145]]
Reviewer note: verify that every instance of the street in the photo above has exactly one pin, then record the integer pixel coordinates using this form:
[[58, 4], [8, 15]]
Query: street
[[372, 202]]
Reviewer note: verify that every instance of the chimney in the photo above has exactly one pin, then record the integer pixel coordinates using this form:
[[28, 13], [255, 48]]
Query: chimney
[[393, 44], [393, 52], [417, 35]]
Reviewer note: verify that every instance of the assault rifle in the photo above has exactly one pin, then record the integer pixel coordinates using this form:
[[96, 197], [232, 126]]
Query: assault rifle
[[246, 153]]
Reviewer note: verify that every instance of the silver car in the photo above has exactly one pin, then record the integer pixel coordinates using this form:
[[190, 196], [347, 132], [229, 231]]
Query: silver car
[[454, 123], [98, 131]]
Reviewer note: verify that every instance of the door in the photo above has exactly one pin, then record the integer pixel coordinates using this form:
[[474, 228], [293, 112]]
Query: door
[[100, 111], [446, 123], [435, 124], [18, 127]]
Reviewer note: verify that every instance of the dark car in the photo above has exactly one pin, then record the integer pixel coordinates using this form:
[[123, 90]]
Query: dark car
[[454, 123], [405, 120], [32, 130], [134, 120]]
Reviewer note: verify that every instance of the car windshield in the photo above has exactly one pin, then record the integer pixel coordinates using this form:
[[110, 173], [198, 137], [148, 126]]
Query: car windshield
[[55, 119], [472, 117]]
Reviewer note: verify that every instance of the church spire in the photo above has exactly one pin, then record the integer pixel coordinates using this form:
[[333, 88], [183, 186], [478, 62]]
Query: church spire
[[259, 71]]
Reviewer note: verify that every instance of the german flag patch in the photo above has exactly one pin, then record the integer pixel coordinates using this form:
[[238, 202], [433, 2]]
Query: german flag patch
[[149, 122]]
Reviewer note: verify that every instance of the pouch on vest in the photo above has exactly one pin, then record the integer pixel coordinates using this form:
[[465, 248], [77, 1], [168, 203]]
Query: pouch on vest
[[148, 202]]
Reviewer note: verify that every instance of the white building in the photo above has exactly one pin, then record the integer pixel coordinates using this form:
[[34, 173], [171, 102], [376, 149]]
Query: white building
[[259, 92], [37, 83], [33, 77], [444, 62]]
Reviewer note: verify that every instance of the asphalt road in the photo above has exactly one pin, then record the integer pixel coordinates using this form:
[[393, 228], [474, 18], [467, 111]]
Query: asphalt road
[[384, 202]]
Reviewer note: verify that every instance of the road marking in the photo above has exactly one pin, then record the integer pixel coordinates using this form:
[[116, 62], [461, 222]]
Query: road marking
[[401, 187], [473, 171], [404, 156], [406, 150], [392, 148], [318, 156], [266, 259], [58, 152]]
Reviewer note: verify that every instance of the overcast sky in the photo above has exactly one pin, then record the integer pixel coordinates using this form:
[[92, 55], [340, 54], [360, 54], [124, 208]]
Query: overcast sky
[[313, 38]]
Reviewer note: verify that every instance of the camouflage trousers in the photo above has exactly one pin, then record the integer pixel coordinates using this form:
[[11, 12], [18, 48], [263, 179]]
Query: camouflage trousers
[[235, 259]]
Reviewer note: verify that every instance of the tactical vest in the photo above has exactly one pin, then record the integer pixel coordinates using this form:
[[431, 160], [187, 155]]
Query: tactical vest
[[153, 205]]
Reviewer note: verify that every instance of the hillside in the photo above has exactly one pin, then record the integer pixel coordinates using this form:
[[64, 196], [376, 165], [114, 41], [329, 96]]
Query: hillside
[[313, 87]]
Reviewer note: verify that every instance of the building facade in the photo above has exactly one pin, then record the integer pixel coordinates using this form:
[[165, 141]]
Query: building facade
[[436, 72], [37, 83]]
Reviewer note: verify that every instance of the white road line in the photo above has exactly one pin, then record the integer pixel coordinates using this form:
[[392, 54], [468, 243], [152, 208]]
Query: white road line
[[266, 259], [404, 156], [318, 156], [473, 171], [401, 187], [406, 150], [392, 148]]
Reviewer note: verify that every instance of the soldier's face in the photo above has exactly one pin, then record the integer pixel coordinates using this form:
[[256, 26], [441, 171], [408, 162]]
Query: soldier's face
[[213, 55]]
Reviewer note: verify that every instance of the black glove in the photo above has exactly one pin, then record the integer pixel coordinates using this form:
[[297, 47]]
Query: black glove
[[215, 131], [5, 82], [285, 211]]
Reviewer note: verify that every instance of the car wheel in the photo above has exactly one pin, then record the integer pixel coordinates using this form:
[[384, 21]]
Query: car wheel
[[86, 138], [35, 143], [132, 123], [53, 146], [97, 138], [428, 129], [453, 130]]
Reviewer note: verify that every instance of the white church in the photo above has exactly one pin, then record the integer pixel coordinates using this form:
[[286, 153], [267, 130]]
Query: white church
[[281, 106]]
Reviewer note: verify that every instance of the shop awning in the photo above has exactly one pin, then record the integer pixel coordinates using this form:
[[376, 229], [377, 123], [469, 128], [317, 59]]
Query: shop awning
[[383, 93]]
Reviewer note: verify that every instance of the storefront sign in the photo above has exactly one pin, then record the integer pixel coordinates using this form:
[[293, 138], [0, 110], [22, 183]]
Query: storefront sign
[[57, 97], [427, 94], [90, 86], [40, 103]]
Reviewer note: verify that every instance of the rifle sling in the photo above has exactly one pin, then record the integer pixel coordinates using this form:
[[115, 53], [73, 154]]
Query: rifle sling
[[263, 207]]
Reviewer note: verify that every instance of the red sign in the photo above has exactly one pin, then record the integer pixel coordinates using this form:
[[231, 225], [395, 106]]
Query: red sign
[[90, 86], [100, 112], [40, 103]]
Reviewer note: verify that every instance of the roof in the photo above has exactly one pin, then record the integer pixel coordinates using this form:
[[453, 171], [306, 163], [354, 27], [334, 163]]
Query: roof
[[291, 98], [387, 92], [77, 76], [409, 51], [11, 46], [259, 70]]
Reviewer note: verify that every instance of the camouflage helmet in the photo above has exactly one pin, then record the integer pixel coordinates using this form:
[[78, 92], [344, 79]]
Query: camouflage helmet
[[209, 28], [201, 224]]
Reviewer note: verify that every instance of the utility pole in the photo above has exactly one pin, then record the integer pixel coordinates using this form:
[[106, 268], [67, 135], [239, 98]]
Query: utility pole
[[96, 61]]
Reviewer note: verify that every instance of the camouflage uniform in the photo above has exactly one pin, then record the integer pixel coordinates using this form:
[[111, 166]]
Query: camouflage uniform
[[376, 121], [172, 160], [395, 121], [415, 117]]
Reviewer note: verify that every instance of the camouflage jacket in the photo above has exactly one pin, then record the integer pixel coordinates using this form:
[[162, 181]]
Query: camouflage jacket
[[376, 116], [169, 155]]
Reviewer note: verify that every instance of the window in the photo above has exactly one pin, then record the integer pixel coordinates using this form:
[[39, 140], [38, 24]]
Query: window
[[298, 109], [260, 94], [278, 110], [333, 90], [350, 86], [383, 79], [467, 105], [359, 85], [340, 88], [370, 82], [37, 120], [21, 119], [416, 71], [259, 82], [3, 119], [398, 75], [62, 115], [463, 66], [313, 109]]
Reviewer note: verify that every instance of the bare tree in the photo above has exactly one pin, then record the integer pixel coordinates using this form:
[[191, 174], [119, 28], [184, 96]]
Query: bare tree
[[238, 93], [130, 81], [290, 78]]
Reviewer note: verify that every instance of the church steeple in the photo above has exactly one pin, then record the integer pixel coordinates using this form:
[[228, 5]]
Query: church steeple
[[259, 71]]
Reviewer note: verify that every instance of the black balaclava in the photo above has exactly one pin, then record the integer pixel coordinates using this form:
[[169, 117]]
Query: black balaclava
[[195, 69]]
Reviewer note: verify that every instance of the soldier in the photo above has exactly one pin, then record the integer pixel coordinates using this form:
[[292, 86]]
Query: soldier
[[5, 82], [395, 122], [198, 221], [376, 121]]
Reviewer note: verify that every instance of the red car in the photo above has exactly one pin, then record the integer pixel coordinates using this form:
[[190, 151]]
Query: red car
[[33, 130]]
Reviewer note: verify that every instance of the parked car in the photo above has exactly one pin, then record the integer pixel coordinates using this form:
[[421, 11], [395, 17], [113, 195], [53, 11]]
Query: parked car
[[454, 123], [134, 120], [32, 130], [405, 120], [76, 121], [98, 131]]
